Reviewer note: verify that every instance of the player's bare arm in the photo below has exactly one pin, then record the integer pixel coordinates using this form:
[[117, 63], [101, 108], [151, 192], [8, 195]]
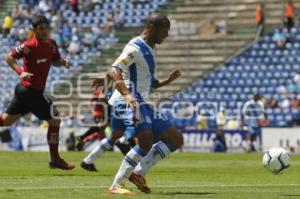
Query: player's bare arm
[[116, 75], [61, 62], [172, 76], [100, 80], [20, 70]]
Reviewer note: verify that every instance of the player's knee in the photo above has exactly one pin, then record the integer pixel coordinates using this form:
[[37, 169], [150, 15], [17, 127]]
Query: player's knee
[[177, 141], [7, 120], [1, 120], [175, 138], [145, 140]]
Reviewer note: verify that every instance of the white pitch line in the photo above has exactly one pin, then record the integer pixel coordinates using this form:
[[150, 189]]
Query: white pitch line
[[162, 186]]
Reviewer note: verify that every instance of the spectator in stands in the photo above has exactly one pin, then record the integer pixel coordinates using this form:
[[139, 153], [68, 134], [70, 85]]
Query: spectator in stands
[[260, 20], [16, 12], [43, 6], [202, 120], [27, 13], [118, 18], [297, 82], [295, 101], [289, 15], [219, 144], [7, 24], [221, 119], [22, 34], [109, 25], [56, 20], [66, 33], [74, 4], [272, 102], [221, 27], [233, 124], [285, 103], [74, 47], [98, 2], [208, 28], [282, 89], [291, 86], [87, 6], [280, 38]]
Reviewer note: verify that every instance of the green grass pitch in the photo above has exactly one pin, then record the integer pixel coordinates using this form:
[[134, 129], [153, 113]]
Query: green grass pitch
[[182, 175]]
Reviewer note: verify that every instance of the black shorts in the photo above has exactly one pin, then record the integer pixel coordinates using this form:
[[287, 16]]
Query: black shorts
[[27, 100]]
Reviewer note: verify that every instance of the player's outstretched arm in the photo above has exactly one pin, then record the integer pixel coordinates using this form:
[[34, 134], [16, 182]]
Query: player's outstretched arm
[[172, 76], [100, 80]]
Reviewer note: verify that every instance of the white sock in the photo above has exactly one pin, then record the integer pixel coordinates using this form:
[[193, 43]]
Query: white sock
[[103, 146], [158, 152], [123, 140], [131, 159]]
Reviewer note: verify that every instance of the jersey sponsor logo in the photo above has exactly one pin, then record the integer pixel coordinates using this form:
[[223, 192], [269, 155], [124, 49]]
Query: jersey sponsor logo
[[41, 60]]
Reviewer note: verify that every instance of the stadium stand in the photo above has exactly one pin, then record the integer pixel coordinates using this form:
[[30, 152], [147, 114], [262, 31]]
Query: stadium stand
[[197, 54], [262, 68]]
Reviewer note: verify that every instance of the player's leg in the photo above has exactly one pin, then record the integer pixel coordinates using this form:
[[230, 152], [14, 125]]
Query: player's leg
[[105, 145], [80, 139], [144, 138], [124, 145], [17, 107], [6, 120], [171, 138], [42, 107]]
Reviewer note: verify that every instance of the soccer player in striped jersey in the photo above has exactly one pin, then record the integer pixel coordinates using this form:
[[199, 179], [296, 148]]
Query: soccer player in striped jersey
[[253, 111], [134, 75]]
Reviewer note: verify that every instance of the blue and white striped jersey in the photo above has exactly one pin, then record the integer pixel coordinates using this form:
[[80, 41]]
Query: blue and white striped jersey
[[253, 111], [137, 63]]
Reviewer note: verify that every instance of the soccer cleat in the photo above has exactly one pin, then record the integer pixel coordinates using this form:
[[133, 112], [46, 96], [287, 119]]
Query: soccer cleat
[[61, 164], [88, 167], [140, 182], [120, 190]]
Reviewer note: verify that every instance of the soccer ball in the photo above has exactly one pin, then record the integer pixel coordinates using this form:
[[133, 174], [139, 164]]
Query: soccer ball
[[276, 160]]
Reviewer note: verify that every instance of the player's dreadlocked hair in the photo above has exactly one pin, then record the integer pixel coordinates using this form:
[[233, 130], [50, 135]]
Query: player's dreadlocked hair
[[157, 20], [39, 19]]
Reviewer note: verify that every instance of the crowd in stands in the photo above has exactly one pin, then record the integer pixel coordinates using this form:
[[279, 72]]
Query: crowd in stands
[[82, 29]]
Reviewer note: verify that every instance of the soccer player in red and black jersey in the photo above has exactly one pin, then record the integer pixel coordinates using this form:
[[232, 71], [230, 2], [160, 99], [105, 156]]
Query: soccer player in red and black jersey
[[38, 54]]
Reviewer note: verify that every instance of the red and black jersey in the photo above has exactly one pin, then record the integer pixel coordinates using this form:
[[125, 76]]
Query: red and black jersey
[[37, 58]]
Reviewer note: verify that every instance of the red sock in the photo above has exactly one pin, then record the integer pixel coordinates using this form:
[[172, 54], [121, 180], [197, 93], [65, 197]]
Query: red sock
[[1, 120], [53, 140]]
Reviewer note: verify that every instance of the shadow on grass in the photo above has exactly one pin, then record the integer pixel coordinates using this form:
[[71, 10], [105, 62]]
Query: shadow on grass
[[291, 195], [183, 193]]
